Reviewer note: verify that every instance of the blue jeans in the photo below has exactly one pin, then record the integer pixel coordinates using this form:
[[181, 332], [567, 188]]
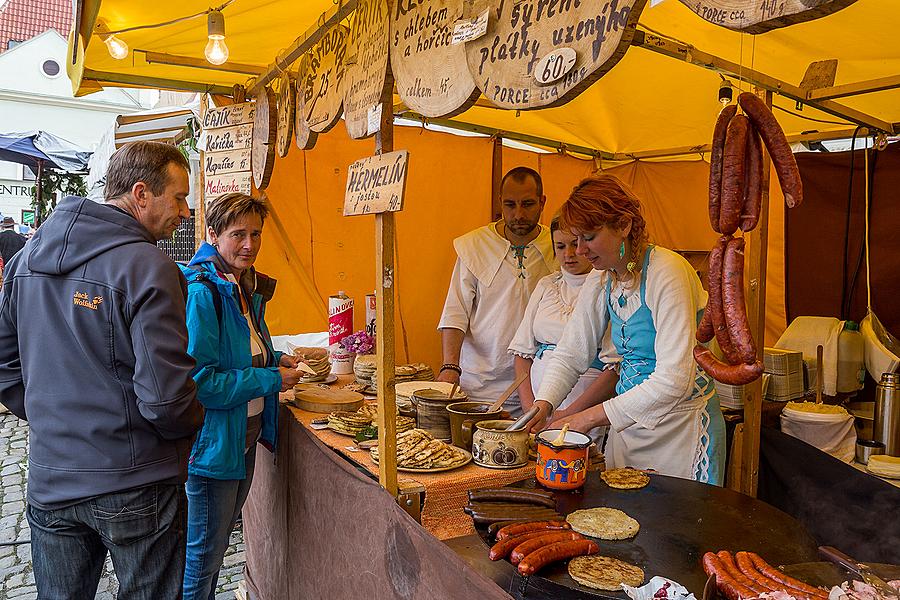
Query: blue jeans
[[214, 506], [143, 529]]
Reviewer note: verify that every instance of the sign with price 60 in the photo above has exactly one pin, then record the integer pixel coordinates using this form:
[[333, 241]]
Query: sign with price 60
[[555, 65]]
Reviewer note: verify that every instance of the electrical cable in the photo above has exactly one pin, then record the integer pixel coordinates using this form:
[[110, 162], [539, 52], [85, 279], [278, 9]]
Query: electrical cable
[[171, 22], [847, 224], [863, 248], [799, 116]]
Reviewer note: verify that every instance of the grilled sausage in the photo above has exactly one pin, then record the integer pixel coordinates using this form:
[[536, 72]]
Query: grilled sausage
[[727, 584], [494, 527], [502, 548], [520, 528], [772, 135], [753, 178], [733, 302], [745, 564], [773, 573], [507, 495], [715, 164], [739, 374], [733, 174], [732, 570], [554, 553], [714, 304], [488, 518], [528, 546]]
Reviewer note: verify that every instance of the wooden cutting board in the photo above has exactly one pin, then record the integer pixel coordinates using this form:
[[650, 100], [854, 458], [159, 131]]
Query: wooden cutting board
[[312, 398]]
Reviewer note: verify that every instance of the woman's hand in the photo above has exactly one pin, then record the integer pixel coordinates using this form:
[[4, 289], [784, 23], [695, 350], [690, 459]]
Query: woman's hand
[[289, 377], [539, 420], [582, 421], [448, 375], [289, 360]]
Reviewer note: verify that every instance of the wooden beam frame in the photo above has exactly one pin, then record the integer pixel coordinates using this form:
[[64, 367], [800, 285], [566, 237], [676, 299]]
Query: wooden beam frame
[[154, 82], [334, 15], [198, 63], [855, 89], [131, 134], [689, 54], [131, 119]]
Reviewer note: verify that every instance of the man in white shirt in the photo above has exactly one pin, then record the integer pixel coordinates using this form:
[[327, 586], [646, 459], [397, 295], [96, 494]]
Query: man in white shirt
[[497, 268]]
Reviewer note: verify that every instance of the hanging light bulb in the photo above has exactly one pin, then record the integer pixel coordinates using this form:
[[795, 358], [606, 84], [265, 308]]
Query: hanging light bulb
[[117, 48], [216, 51]]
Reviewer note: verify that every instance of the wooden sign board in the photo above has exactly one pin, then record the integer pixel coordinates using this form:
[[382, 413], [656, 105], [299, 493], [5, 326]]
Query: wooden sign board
[[520, 34], [286, 92], [224, 184], [759, 16], [431, 74], [376, 184], [228, 139], [228, 116], [303, 135], [262, 155], [220, 163], [367, 65], [323, 80]]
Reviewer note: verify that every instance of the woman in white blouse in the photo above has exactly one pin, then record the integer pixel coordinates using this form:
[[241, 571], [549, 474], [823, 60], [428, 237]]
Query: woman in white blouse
[[665, 414], [549, 308]]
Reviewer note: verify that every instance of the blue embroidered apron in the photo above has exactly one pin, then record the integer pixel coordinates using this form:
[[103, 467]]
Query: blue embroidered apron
[[635, 339]]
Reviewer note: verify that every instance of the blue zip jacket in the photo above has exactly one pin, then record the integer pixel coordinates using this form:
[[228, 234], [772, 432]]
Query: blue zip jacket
[[225, 379]]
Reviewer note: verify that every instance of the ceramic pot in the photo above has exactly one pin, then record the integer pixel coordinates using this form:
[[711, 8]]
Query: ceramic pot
[[563, 466], [431, 411], [496, 448], [464, 416]]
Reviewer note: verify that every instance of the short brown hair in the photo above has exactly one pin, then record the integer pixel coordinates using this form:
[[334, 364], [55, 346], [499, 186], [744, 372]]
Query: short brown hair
[[141, 161], [604, 201], [224, 210], [520, 174]]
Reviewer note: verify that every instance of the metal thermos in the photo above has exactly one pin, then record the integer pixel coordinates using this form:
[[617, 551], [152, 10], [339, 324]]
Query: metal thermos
[[887, 413]]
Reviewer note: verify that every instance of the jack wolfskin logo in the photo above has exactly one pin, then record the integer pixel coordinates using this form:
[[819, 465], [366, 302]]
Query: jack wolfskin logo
[[85, 301]]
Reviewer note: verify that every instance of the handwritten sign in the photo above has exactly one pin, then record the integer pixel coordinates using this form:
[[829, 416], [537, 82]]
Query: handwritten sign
[[220, 163], [759, 16], [467, 30], [323, 80], [265, 124], [376, 184], [373, 119], [285, 101], [303, 135], [228, 116], [224, 184], [430, 73], [367, 65], [521, 33], [232, 138]]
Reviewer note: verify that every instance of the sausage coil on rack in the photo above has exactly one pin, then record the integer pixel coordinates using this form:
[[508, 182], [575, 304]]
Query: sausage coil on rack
[[739, 374], [715, 164], [732, 196], [714, 303], [733, 302], [776, 143], [753, 180]]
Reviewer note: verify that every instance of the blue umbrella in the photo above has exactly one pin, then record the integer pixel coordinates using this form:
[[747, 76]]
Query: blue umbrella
[[34, 148]]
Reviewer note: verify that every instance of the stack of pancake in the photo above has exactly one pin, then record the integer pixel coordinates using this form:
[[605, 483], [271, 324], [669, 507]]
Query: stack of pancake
[[317, 360]]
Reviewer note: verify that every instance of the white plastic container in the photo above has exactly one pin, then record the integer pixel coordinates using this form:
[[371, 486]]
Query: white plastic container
[[851, 366]]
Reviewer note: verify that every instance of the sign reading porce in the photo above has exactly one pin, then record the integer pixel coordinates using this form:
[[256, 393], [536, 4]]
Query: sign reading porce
[[522, 33]]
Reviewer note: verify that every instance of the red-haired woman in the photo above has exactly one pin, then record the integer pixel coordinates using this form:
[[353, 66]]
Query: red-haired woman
[[665, 414]]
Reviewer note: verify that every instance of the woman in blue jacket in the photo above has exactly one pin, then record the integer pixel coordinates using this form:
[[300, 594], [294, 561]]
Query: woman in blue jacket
[[238, 375]]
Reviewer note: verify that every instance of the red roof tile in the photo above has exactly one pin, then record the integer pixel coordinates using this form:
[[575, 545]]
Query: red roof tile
[[21, 20]]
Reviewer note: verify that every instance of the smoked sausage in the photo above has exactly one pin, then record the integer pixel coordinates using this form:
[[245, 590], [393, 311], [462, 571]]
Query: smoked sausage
[[486, 518], [782, 156], [727, 584], [753, 178], [528, 546], [733, 302], [705, 327], [715, 163], [520, 528], [554, 553], [732, 197], [494, 527], [502, 548], [740, 374], [714, 304], [512, 495], [732, 569], [773, 573], [745, 564]]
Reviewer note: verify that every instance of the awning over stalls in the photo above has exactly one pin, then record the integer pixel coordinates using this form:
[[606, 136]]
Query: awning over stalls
[[648, 102]]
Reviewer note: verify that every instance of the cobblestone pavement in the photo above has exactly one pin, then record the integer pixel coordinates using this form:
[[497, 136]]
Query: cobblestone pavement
[[16, 576]]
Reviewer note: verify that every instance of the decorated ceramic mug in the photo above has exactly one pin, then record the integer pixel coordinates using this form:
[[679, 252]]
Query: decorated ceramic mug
[[562, 466], [496, 448]]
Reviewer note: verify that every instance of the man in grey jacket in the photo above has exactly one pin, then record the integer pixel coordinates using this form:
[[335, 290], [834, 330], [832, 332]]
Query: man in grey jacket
[[93, 353]]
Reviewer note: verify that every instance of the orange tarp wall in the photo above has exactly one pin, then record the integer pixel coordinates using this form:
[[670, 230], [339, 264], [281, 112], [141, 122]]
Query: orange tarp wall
[[314, 251]]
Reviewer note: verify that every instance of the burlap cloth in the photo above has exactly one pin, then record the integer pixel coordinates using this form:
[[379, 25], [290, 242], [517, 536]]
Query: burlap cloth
[[445, 493]]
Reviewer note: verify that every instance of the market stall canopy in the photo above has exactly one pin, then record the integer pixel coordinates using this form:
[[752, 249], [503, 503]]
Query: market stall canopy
[[653, 102], [30, 147]]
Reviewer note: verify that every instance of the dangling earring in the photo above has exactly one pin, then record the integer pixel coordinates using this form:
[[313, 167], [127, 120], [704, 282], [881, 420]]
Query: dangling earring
[[622, 250], [632, 264]]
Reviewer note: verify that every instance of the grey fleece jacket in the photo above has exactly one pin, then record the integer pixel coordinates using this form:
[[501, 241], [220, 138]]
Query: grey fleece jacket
[[93, 353]]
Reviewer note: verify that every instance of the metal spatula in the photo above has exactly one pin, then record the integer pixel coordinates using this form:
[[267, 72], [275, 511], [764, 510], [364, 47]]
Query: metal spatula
[[841, 559]]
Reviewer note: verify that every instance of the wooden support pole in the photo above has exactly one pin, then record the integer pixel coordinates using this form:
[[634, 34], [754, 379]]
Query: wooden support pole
[[758, 241], [141, 81], [200, 186], [855, 89], [384, 322], [496, 177], [199, 63]]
